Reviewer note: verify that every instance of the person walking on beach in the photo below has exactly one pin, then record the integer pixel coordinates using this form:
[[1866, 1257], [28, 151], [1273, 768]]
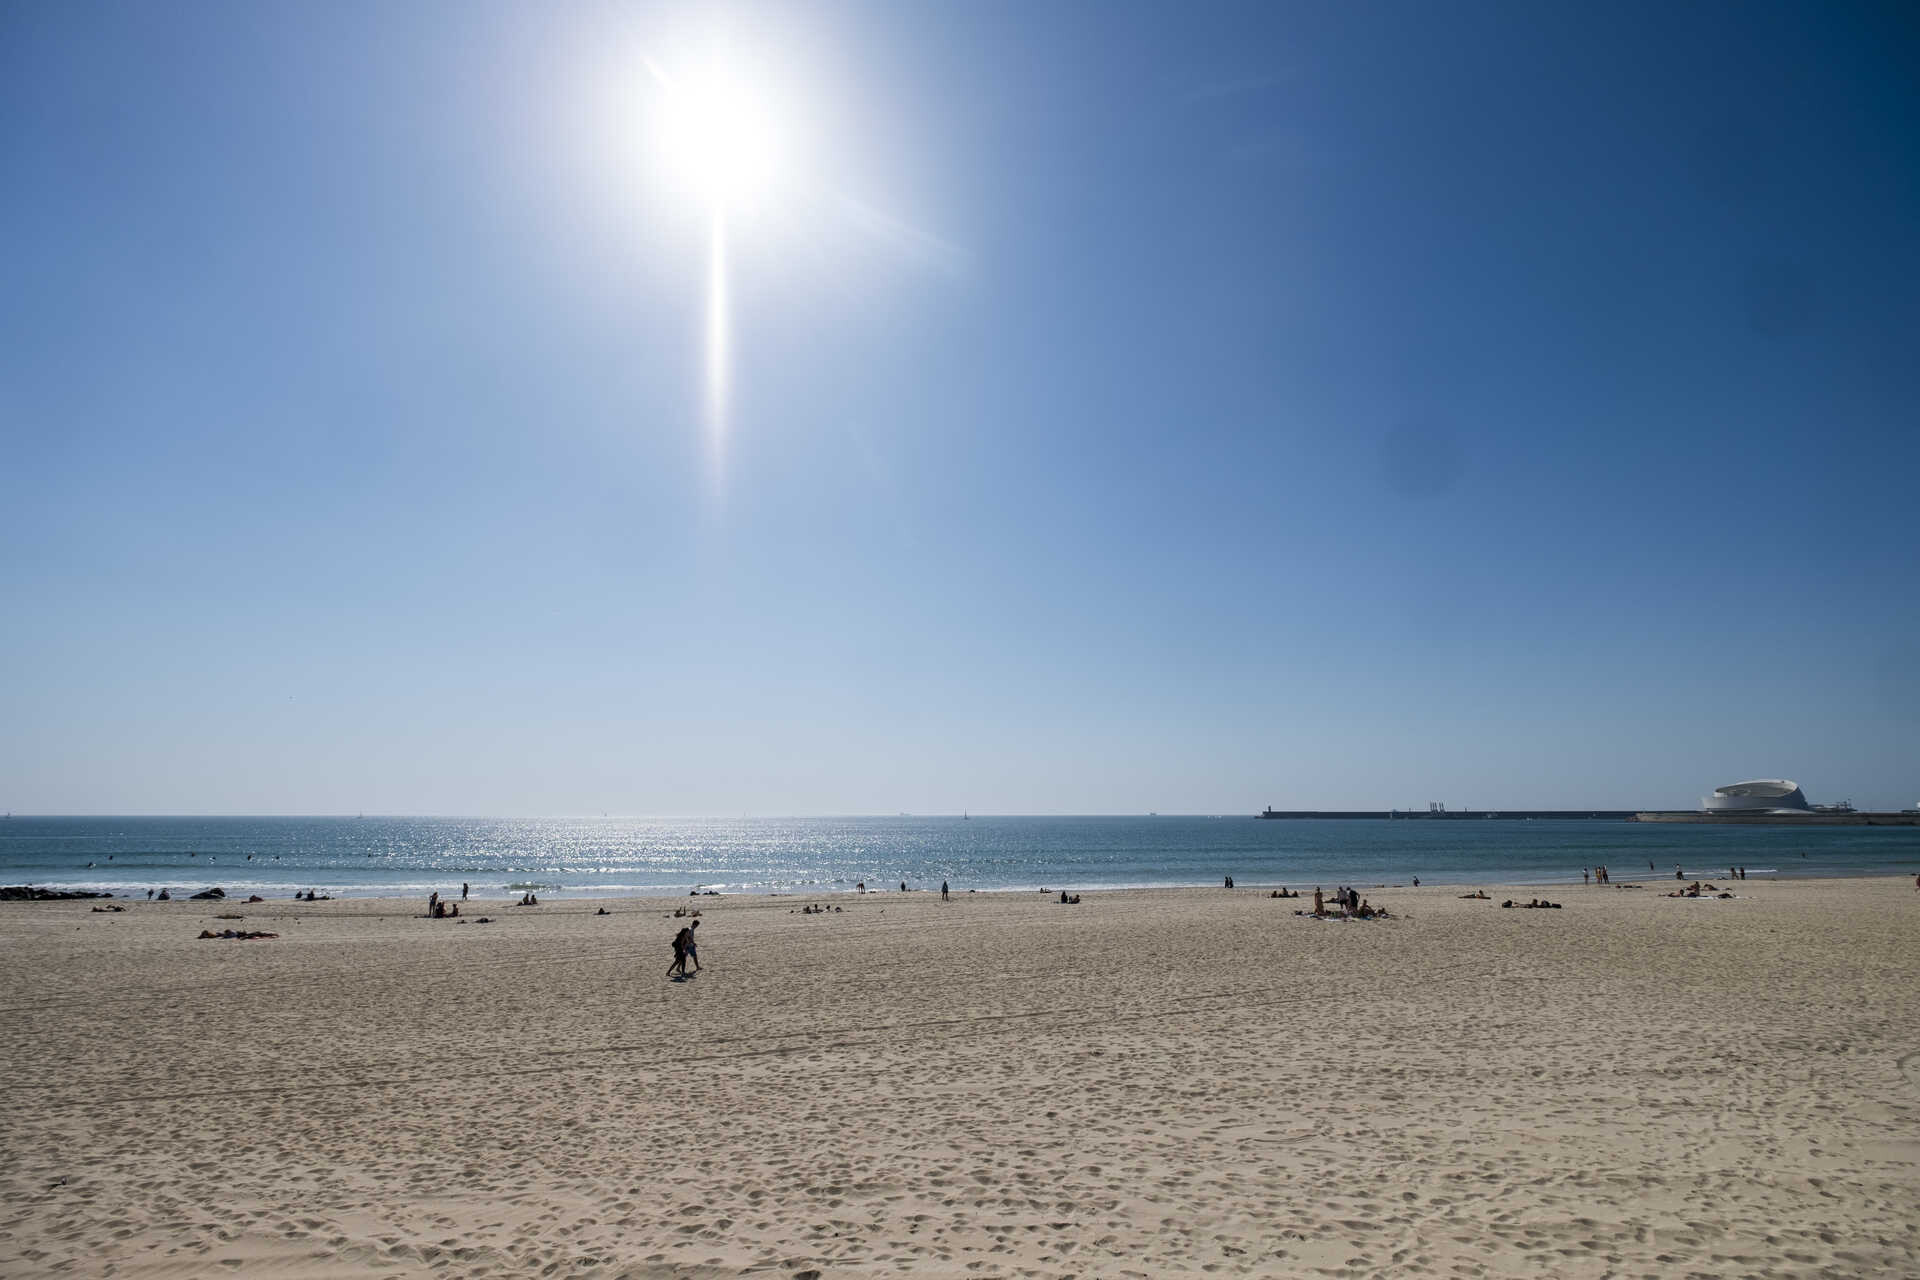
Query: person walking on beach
[[943, 891], [463, 891], [680, 942], [693, 947]]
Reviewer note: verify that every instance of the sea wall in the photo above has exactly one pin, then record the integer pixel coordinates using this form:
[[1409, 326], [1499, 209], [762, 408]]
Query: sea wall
[[1786, 819]]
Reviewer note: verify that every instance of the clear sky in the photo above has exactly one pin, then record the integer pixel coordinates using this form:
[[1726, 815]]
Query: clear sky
[[1108, 408]]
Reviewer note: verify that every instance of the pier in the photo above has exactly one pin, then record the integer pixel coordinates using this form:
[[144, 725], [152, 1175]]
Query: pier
[[1460, 815], [1902, 818]]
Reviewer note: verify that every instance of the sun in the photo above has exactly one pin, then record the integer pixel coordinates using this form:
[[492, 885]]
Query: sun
[[718, 139], [722, 139]]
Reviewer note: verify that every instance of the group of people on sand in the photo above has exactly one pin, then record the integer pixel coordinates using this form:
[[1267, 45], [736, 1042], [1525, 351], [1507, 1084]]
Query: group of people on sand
[[1069, 899], [1281, 892], [1733, 873], [1697, 889], [1347, 905], [1599, 876], [1540, 903], [811, 909], [439, 908], [445, 909]]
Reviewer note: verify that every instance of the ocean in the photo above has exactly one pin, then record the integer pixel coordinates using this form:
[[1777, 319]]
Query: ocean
[[613, 857]]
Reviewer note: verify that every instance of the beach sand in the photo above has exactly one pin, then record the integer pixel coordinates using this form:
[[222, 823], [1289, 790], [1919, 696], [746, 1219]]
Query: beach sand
[[1146, 1084]]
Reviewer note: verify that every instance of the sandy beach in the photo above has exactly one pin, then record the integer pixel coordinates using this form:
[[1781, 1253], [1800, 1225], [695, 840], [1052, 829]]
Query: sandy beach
[[1145, 1084]]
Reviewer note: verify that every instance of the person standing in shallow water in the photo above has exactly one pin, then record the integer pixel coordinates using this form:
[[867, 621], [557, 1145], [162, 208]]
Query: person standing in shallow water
[[943, 891]]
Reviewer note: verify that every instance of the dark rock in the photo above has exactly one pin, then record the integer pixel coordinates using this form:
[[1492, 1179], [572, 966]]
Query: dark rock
[[209, 893], [26, 893]]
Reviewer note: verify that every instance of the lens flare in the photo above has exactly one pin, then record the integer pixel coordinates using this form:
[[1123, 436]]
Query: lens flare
[[719, 343]]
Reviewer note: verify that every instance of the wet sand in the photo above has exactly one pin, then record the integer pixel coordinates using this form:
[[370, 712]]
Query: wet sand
[[1148, 1083]]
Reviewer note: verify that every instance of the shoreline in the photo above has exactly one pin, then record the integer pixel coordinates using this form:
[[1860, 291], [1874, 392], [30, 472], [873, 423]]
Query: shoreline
[[1441, 879], [413, 906]]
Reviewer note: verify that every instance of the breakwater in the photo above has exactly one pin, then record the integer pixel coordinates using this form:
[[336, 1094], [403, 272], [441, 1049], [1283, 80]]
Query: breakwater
[[1731, 819], [1883, 819], [1463, 815]]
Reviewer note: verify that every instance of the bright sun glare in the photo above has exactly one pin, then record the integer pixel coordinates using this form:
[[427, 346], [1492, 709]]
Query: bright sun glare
[[719, 141], [717, 138]]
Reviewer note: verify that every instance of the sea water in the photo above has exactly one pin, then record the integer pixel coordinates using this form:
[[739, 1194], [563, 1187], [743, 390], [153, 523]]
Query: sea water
[[403, 857]]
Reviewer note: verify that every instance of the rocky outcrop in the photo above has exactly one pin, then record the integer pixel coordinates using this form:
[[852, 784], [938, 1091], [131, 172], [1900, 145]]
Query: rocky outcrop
[[208, 893], [26, 893]]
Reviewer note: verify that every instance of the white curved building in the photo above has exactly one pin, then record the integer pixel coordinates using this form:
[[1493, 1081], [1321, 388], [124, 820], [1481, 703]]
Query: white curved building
[[1760, 795]]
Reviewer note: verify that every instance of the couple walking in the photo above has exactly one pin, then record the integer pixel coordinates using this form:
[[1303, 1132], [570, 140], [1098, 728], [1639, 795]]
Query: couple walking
[[685, 949]]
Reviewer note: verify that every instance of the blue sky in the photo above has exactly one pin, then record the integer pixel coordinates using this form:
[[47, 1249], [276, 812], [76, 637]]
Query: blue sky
[[1129, 408]]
